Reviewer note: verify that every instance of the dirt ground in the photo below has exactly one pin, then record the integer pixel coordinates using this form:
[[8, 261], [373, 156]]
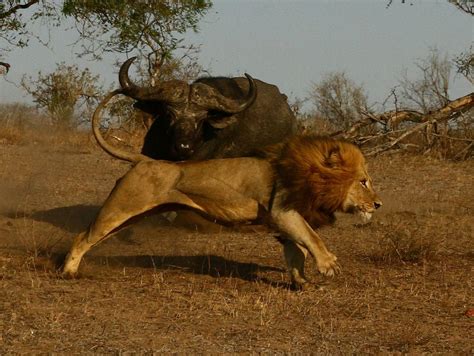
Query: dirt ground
[[406, 286]]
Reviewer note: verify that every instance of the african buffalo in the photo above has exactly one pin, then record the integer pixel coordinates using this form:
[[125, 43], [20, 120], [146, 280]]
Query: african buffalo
[[211, 118]]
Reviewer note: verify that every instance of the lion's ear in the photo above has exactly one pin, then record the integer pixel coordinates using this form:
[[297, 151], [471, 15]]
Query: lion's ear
[[334, 158]]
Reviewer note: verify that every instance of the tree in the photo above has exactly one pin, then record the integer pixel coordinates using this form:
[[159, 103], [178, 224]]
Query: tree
[[430, 90], [149, 28], [466, 6], [339, 100], [465, 60], [154, 29], [465, 64], [14, 26], [66, 94]]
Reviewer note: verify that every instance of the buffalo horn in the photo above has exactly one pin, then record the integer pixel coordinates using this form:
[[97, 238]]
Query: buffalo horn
[[173, 91], [211, 99]]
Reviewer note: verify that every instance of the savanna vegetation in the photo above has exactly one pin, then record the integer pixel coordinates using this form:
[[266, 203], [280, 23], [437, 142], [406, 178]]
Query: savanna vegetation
[[406, 285]]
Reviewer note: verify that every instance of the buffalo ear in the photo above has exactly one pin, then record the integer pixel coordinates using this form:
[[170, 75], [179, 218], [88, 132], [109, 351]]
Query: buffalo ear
[[221, 122], [333, 159]]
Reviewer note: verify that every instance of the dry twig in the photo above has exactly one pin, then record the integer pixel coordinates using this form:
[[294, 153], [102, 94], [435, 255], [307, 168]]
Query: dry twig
[[391, 136]]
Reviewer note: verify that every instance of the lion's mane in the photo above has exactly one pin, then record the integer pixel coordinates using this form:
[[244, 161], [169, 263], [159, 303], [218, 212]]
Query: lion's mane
[[316, 174]]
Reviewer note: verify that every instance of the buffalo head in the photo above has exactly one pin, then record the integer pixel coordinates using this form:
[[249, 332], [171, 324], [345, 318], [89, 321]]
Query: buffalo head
[[186, 108]]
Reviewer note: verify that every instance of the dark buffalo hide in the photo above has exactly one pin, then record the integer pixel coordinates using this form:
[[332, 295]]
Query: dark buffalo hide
[[213, 117]]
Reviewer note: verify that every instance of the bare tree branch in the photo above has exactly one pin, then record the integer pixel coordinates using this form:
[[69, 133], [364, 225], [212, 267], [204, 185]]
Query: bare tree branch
[[453, 109], [15, 8], [385, 134], [466, 6], [6, 65]]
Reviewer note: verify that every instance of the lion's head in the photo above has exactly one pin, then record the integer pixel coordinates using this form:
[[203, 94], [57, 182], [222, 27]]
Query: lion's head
[[322, 176]]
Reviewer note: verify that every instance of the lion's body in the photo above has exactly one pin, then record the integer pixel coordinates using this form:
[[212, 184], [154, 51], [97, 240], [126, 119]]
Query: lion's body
[[305, 178]]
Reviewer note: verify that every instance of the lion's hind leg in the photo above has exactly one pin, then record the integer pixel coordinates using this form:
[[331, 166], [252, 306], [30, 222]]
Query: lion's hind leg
[[139, 191], [79, 247], [110, 219]]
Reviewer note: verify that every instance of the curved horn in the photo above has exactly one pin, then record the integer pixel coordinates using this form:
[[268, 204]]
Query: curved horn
[[173, 91], [124, 80], [212, 99], [113, 151]]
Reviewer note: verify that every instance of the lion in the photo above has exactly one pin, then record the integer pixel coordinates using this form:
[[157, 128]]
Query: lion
[[293, 187]]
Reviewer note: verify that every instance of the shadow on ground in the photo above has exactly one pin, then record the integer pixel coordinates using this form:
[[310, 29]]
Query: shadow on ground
[[214, 266], [211, 265], [73, 218]]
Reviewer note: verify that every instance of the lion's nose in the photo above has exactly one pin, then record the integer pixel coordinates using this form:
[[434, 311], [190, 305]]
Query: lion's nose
[[377, 204]]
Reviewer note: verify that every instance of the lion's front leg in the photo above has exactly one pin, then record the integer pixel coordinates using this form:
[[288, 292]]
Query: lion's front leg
[[295, 257], [293, 225]]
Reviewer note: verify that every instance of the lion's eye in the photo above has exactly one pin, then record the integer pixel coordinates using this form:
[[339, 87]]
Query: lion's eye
[[364, 183]]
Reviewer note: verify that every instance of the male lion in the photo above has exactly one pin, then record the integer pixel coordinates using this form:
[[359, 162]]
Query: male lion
[[296, 185]]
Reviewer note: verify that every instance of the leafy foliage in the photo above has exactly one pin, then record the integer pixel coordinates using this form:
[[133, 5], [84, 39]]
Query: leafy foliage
[[125, 25], [14, 29], [66, 94], [150, 28]]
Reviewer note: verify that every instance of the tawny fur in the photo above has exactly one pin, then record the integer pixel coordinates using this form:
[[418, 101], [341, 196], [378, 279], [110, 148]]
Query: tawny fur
[[296, 187], [316, 173]]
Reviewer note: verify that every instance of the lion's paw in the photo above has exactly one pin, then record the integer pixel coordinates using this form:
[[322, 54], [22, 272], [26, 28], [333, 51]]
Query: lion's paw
[[328, 265]]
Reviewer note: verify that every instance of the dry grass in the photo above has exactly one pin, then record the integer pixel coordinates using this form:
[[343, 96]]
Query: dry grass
[[405, 288], [24, 125], [404, 246]]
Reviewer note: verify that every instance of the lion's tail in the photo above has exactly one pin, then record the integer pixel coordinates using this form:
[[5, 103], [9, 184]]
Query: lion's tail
[[113, 151]]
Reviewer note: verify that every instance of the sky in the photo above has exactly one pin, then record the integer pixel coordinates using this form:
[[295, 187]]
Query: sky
[[292, 44]]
